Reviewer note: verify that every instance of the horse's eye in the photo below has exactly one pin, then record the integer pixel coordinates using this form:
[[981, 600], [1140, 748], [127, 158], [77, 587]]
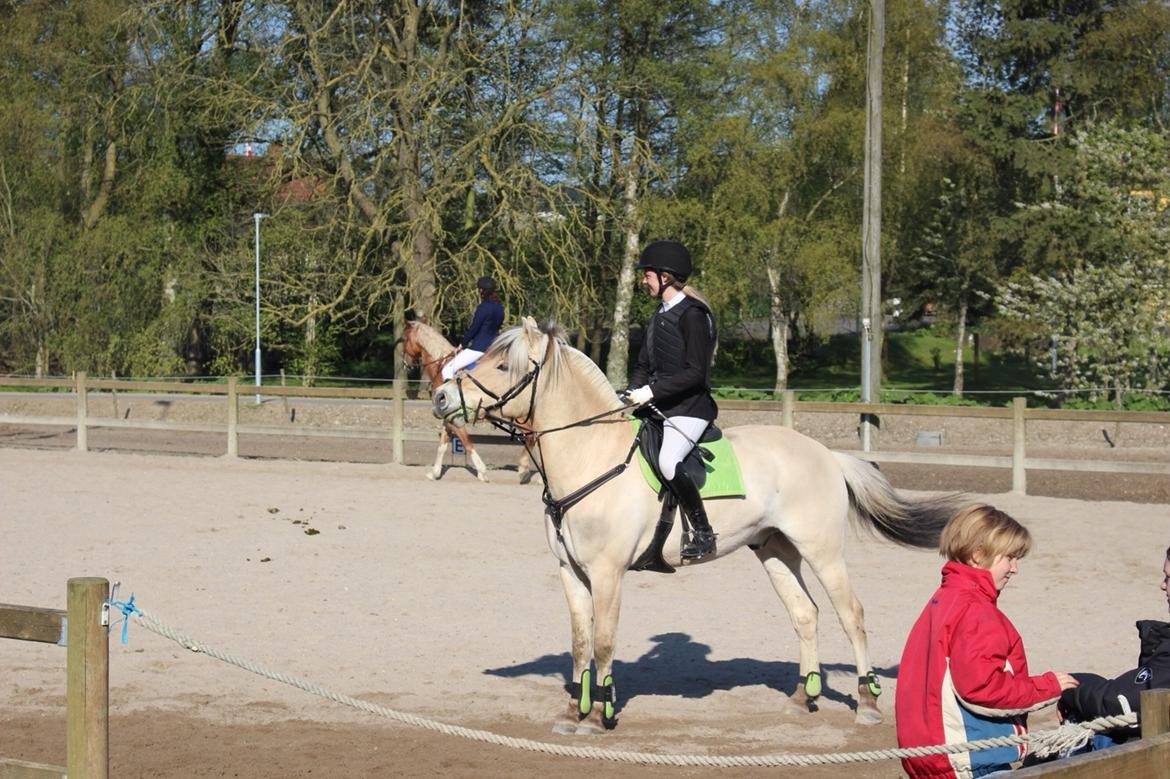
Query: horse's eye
[[502, 367]]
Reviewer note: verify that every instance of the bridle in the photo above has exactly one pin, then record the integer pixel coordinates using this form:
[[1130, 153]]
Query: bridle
[[419, 362], [521, 430]]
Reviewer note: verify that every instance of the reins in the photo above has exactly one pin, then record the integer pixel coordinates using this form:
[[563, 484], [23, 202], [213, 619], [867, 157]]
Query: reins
[[522, 431]]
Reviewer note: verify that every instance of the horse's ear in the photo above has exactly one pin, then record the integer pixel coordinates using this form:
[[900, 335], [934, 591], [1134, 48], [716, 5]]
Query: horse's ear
[[530, 324]]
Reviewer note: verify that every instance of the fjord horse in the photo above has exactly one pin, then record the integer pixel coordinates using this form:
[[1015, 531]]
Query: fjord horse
[[601, 516], [425, 347]]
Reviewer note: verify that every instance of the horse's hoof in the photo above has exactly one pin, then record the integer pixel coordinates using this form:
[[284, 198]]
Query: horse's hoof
[[868, 712], [563, 727], [432, 476], [796, 705], [525, 478], [483, 478], [593, 724]]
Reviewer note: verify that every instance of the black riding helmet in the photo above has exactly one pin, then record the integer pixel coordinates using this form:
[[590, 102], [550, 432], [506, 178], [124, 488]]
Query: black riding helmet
[[486, 283], [666, 257]]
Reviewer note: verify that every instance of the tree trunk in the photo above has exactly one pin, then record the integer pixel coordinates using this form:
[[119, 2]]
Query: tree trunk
[[617, 366], [778, 322], [960, 338], [905, 106], [779, 326], [93, 212], [596, 343], [313, 358]]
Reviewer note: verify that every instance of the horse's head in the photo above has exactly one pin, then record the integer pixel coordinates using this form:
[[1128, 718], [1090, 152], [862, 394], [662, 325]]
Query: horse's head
[[412, 352], [425, 347], [502, 384]]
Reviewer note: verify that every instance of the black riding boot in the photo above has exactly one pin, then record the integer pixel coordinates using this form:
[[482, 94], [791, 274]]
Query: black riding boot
[[702, 541]]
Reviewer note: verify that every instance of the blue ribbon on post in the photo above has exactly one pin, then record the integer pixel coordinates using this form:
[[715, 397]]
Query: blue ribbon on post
[[128, 609]]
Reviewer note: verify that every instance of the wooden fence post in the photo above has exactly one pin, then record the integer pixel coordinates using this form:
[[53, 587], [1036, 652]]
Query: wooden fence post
[[397, 405], [787, 405], [1155, 706], [87, 686], [1019, 474], [82, 413], [233, 420]]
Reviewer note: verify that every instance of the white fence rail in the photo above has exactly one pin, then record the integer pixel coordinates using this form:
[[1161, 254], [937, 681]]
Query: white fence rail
[[397, 433]]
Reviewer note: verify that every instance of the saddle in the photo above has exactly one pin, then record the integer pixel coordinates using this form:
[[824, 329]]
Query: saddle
[[649, 443]]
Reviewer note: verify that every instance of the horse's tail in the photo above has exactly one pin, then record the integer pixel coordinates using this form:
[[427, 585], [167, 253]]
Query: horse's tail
[[877, 505]]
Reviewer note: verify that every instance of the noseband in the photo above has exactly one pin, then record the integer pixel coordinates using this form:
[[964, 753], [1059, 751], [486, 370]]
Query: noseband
[[515, 427]]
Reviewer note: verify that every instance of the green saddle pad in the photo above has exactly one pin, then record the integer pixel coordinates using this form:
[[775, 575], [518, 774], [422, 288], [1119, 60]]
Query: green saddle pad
[[724, 477]]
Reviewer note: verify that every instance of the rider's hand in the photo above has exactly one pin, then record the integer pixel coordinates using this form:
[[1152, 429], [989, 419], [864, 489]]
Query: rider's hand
[[638, 396]]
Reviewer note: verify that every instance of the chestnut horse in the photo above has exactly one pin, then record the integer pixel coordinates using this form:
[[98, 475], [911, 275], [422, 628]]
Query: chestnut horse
[[425, 347], [601, 516]]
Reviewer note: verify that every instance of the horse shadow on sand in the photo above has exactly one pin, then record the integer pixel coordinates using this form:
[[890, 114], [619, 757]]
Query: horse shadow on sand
[[679, 666]]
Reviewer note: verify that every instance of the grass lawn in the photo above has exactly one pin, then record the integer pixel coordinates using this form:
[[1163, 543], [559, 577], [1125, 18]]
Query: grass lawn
[[916, 361]]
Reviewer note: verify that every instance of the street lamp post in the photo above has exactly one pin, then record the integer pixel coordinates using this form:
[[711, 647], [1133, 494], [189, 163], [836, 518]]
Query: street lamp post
[[257, 217]]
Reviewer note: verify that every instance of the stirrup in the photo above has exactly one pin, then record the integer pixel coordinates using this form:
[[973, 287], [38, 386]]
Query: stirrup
[[702, 543]]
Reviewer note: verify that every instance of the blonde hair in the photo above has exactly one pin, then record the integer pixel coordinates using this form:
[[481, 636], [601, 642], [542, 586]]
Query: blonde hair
[[690, 291], [983, 532]]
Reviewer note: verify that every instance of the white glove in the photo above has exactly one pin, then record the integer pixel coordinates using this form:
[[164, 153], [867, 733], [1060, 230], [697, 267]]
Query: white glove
[[640, 395]]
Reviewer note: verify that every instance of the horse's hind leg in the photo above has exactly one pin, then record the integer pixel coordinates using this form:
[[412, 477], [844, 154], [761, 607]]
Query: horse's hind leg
[[781, 560], [580, 602], [835, 579]]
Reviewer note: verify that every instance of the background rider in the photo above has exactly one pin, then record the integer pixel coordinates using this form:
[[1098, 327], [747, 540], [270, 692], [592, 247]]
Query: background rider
[[484, 328]]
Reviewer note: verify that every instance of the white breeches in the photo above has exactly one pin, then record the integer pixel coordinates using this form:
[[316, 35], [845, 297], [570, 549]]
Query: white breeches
[[460, 360], [675, 446]]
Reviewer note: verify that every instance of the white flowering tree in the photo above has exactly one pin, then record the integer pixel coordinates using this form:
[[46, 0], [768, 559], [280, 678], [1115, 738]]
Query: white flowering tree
[[1106, 313]]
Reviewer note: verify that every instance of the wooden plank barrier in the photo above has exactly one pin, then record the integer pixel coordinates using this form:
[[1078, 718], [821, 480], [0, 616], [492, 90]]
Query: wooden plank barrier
[[1146, 758], [82, 630]]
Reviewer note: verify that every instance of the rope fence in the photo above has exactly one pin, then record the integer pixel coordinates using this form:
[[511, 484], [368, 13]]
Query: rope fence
[[1068, 736]]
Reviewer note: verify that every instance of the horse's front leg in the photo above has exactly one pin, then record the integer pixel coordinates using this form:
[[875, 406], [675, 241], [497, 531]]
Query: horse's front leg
[[524, 466], [476, 461], [607, 602], [437, 470], [581, 619]]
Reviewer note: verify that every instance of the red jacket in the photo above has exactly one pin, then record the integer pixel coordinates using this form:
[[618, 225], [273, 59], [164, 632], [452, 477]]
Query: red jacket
[[964, 677]]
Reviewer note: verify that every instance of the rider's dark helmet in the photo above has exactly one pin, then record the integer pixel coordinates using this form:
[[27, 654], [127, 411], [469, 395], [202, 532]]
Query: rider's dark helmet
[[666, 257], [486, 283]]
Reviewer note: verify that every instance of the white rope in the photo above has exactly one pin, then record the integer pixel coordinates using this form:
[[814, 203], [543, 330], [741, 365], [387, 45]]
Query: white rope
[[1045, 743]]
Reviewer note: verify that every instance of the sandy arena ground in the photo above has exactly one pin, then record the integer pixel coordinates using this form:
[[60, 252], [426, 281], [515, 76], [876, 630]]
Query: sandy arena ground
[[440, 599]]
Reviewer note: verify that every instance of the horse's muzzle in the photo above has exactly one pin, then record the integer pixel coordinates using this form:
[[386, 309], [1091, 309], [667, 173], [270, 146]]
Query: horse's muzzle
[[446, 406]]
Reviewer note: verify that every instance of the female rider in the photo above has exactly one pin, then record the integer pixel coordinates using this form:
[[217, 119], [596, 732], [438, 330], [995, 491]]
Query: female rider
[[673, 372], [485, 325]]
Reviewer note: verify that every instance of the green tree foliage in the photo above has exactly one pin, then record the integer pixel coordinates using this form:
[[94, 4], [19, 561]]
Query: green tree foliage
[[1106, 314], [404, 148]]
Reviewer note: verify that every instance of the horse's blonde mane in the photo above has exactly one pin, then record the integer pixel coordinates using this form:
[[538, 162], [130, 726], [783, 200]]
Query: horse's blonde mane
[[432, 340], [512, 348]]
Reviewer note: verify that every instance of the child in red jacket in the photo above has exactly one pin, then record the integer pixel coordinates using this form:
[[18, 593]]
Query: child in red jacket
[[964, 675]]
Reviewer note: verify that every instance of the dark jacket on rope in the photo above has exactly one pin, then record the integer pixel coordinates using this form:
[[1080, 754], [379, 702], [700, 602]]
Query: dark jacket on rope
[[1098, 697]]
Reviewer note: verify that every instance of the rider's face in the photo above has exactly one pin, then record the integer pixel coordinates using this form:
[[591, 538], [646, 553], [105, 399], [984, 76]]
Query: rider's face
[[1166, 579], [651, 281]]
